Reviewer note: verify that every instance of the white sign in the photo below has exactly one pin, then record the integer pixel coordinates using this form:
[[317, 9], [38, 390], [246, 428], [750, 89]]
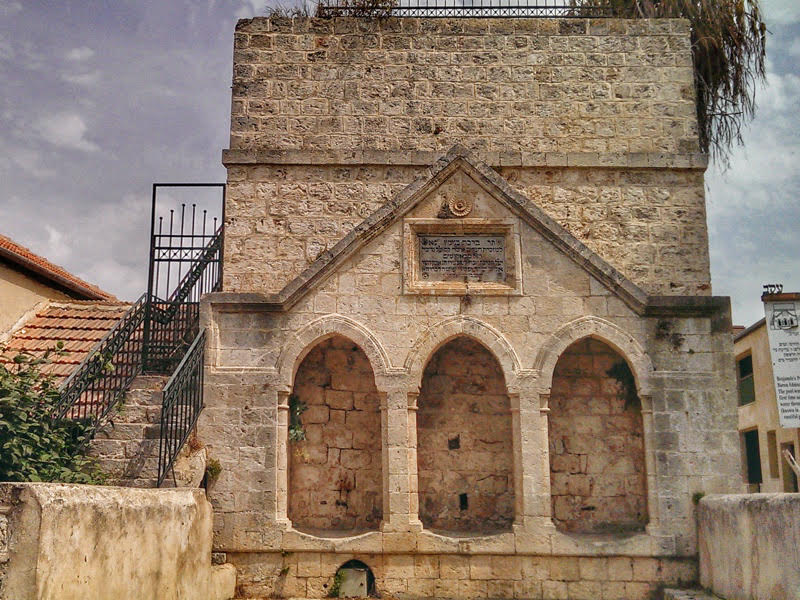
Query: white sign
[[784, 348]]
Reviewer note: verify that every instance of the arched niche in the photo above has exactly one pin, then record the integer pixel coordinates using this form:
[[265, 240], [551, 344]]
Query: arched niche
[[598, 478], [465, 441], [334, 473]]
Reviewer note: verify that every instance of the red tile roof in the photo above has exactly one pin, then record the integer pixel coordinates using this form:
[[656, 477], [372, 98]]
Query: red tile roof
[[79, 325], [21, 256]]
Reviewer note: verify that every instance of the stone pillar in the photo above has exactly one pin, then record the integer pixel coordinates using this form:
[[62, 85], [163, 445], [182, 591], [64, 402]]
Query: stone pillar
[[399, 513], [653, 526], [534, 502], [282, 460]]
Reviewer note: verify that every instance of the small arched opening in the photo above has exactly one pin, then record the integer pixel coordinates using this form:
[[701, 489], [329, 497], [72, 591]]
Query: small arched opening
[[354, 579], [334, 453], [464, 441], [596, 442]]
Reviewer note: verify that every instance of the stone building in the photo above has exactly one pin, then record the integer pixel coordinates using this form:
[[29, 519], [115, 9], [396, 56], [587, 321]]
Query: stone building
[[466, 335]]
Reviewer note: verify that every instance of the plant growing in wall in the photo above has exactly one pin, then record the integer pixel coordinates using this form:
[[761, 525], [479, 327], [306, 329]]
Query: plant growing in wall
[[728, 52], [33, 445], [296, 410]]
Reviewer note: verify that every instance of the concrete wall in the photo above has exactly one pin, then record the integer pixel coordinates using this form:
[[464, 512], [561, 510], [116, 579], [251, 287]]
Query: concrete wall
[[19, 295], [763, 415], [749, 546], [74, 542]]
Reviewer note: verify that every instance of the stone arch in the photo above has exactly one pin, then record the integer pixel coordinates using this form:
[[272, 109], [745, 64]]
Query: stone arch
[[334, 454], [573, 482], [607, 332], [304, 340], [441, 333], [465, 441]]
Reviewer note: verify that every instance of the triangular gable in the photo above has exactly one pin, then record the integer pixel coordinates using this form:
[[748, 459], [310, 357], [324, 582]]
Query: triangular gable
[[403, 202]]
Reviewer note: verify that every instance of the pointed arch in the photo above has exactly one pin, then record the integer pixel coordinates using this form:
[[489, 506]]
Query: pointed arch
[[302, 342], [594, 327], [444, 331]]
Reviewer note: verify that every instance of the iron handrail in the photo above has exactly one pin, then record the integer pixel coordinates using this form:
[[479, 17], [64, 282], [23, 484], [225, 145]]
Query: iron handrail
[[181, 405], [95, 387]]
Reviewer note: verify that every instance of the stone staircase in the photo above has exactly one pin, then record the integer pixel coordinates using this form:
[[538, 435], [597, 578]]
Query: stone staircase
[[127, 446]]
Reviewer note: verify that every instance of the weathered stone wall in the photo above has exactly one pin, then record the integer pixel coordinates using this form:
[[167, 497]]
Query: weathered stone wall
[[593, 120], [70, 542], [335, 473], [597, 465], [415, 575], [464, 441], [495, 85], [748, 546], [649, 224], [682, 361]]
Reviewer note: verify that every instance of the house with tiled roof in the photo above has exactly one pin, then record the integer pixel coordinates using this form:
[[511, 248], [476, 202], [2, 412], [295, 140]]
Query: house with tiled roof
[[42, 304], [29, 282]]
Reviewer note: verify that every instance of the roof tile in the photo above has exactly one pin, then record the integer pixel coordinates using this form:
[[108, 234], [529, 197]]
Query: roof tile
[[12, 251], [79, 326]]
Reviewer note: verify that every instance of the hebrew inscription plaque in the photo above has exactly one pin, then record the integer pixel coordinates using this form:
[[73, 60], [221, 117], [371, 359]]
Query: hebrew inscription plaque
[[462, 258]]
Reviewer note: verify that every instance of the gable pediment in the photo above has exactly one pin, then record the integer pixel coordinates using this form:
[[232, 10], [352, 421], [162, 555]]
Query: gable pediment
[[457, 175]]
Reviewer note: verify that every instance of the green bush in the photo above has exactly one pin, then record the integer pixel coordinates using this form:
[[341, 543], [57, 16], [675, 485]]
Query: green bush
[[33, 445]]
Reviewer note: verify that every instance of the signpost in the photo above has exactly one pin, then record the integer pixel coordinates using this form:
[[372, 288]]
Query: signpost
[[782, 319]]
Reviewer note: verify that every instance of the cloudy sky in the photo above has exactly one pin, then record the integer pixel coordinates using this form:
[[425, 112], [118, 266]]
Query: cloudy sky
[[100, 98]]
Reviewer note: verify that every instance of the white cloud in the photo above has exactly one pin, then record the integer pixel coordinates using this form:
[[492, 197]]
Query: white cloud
[[781, 12], [80, 54], [84, 79], [9, 7], [56, 248], [66, 130], [252, 8]]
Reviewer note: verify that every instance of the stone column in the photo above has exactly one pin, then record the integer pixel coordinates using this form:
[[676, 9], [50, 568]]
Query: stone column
[[534, 513], [282, 460], [399, 512]]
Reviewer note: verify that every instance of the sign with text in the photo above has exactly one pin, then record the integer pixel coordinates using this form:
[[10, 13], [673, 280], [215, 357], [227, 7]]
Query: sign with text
[[462, 258], [784, 348]]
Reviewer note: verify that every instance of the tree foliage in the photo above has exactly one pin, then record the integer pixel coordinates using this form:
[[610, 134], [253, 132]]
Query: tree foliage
[[33, 445], [728, 50]]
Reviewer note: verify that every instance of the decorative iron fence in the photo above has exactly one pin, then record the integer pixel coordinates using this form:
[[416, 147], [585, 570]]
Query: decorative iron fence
[[181, 406], [100, 381], [186, 250], [462, 8], [156, 334]]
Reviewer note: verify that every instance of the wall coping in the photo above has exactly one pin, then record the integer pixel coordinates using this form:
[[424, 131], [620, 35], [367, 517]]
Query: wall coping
[[631, 160]]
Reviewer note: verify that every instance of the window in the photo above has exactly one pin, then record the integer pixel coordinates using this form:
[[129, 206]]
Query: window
[[752, 458], [744, 370]]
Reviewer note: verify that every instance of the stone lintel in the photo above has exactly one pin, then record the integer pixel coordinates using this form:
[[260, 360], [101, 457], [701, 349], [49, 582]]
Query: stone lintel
[[633, 160]]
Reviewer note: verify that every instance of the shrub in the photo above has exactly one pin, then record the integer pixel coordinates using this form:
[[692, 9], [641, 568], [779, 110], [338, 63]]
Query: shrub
[[34, 446]]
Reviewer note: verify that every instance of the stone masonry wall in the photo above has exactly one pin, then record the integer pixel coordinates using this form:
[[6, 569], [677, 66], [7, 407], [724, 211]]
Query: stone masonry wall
[[495, 85], [335, 473], [464, 441], [597, 466], [650, 225], [436, 575]]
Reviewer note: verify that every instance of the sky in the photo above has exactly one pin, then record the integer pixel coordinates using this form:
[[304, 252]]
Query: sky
[[101, 98]]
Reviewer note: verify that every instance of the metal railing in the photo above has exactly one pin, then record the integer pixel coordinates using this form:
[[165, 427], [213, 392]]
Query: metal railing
[[173, 323], [96, 386], [463, 8], [181, 406], [156, 334]]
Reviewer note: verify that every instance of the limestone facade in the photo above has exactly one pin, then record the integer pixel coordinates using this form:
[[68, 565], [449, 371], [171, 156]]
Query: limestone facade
[[601, 225]]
